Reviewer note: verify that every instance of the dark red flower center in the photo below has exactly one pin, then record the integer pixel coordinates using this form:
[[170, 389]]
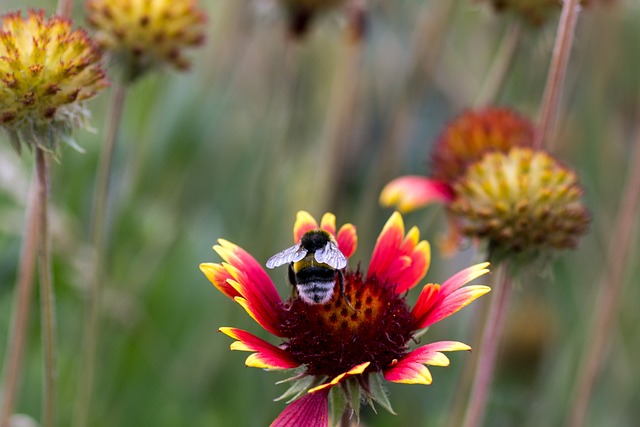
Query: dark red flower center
[[332, 338]]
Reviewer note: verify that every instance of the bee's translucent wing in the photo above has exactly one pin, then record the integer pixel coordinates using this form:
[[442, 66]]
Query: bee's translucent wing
[[293, 254], [332, 256]]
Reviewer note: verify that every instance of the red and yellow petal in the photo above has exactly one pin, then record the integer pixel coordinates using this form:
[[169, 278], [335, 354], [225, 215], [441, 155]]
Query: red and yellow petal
[[311, 410], [356, 370], [328, 223], [408, 193], [218, 275], [265, 356], [386, 249], [465, 276], [439, 301], [304, 222], [411, 368], [399, 260], [252, 283], [347, 240]]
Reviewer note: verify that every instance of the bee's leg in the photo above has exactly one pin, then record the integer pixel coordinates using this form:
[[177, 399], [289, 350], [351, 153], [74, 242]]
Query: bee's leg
[[341, 282], [292, 280]]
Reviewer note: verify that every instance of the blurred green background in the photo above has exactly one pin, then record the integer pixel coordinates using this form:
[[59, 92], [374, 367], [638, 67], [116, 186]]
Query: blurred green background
[[261, 128]]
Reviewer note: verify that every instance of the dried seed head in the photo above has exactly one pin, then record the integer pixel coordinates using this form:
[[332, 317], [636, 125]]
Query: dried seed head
[[300, 13], [475, 133], [535, 12], [520, 202], [46, 70], [144, 34]]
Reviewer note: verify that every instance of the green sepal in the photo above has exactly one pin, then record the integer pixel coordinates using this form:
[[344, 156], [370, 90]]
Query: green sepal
[[68, 139], [299, 387], [377, 393], [337, 404], [354, 395]]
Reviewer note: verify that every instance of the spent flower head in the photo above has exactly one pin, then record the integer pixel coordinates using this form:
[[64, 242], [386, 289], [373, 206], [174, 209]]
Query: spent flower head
[[523, 203], [535, 12], [357, 339], [47, 69], [463, 142], [301, 13], [145, 34]]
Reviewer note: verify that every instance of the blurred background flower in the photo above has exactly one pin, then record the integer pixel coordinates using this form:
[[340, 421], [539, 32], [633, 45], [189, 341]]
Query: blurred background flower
[[48, 69], [523, 203], [143, 34]]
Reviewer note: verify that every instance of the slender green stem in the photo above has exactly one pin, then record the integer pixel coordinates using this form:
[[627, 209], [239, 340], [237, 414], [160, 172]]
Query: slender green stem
[[499, 69], [47, 297], [610, 290], [500, 303], [557, 72], [92, 323], [24, 293]]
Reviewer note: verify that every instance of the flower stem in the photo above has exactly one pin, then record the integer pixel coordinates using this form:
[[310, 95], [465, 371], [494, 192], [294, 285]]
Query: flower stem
[[24, 292], [500, 304], [345, 419], [47, 299], [557, 72], [65, 8], [92, 314], [494, 80], [609, 291]]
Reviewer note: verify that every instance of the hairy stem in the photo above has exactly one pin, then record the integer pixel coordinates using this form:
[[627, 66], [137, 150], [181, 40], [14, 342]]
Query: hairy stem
[[500, 303], [557, 72], [47, 297], [610, 290], [24, 293], [92, 315]]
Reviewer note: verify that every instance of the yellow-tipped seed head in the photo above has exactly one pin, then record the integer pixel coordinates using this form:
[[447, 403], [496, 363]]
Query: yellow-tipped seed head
[[521, 202], [145, 34], [46, 70]]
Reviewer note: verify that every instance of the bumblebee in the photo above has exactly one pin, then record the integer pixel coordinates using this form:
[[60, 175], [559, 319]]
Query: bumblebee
[[314, 266]]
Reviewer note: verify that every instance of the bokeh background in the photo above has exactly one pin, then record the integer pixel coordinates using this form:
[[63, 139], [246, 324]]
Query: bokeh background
[[262, 127]]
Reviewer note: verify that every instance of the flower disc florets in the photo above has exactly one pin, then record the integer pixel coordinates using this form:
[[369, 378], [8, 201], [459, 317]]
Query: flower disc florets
[[143, 34], [522, 201], [331, 338], [475, 133], [361, 335], [46, 70]]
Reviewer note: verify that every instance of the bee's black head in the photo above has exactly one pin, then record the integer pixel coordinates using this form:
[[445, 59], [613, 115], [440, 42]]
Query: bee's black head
[[314, 240]]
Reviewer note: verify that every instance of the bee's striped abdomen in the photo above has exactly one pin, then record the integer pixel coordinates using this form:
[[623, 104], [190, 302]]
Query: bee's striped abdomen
[[315, 284]]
